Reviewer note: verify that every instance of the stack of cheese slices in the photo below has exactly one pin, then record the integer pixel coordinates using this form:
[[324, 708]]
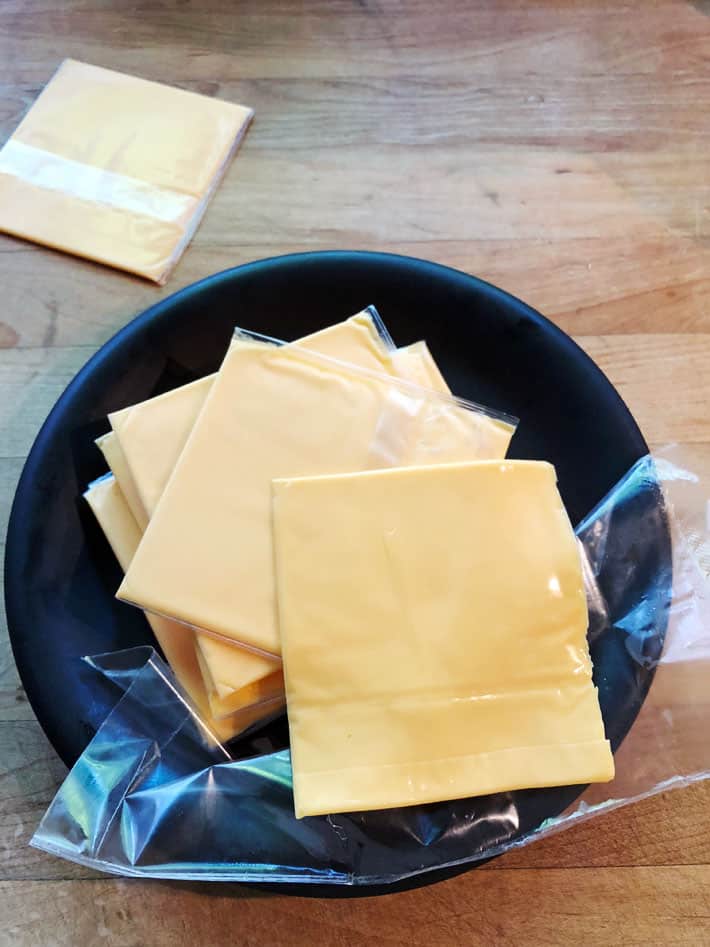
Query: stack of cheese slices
[[323, 525]]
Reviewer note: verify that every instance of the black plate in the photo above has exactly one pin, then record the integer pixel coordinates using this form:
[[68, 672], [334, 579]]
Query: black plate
[[60, 576]]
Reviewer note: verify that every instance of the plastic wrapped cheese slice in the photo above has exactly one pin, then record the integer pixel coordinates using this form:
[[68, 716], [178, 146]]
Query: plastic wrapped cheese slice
[[433, 626], [153, 433], [143, 449], [207, 556], [116, 168], [234, 677], [123, 534]]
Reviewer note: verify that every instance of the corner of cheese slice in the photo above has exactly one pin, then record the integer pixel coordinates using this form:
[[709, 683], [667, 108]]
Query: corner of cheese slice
[[113, 454], [224, 699]]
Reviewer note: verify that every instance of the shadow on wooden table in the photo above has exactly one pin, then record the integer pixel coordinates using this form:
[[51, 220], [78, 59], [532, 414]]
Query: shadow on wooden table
[[240, 891]]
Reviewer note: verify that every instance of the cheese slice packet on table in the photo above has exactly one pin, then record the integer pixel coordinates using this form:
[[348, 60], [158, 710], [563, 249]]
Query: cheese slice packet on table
[[123, 534], [433, 627], [207, 555], [115, 168]]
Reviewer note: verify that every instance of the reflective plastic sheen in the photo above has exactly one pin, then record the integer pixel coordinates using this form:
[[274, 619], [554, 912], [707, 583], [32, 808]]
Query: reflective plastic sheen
[[154, 796]]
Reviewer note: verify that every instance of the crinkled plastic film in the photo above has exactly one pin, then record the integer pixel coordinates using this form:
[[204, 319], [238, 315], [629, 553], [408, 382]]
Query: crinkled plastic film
[[154, 796]]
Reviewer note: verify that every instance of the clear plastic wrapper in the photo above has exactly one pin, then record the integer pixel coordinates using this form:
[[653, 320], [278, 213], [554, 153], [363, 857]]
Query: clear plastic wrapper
[[154, 796]]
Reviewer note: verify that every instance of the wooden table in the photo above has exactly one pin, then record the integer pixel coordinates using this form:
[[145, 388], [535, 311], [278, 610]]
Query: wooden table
[[559, 149]]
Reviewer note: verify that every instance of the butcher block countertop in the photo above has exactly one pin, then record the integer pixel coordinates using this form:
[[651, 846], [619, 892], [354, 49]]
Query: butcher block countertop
[[558, 149]]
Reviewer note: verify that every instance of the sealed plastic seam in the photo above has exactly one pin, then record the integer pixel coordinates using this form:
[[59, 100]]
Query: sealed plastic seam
[[381, 328], [404, 384]]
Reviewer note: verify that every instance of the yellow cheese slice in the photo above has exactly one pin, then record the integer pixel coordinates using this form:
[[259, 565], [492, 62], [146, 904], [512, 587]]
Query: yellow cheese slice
[[433, 624], [207, 557], [252, 677], [123, 534], [152, 435], [116, 168]]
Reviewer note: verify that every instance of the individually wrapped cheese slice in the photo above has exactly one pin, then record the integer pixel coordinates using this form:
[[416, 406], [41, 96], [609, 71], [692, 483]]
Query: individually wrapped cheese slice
[[433, 627], [233, 677], [146, 442], [123, 534], [115, 168], [207, 557], [153, 433]]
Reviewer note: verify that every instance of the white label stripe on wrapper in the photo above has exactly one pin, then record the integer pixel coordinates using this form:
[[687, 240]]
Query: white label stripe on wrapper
[[51, 172]]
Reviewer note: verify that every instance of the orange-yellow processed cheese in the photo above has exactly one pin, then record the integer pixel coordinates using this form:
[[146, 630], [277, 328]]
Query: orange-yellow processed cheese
[[433, 626], [207, 556], [152, 434], [116, 168], [147, 441], [252, 677], [123, 534]]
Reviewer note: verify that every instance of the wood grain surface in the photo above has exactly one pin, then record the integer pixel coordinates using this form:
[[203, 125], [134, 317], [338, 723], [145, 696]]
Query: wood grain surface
[[558, 148]]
